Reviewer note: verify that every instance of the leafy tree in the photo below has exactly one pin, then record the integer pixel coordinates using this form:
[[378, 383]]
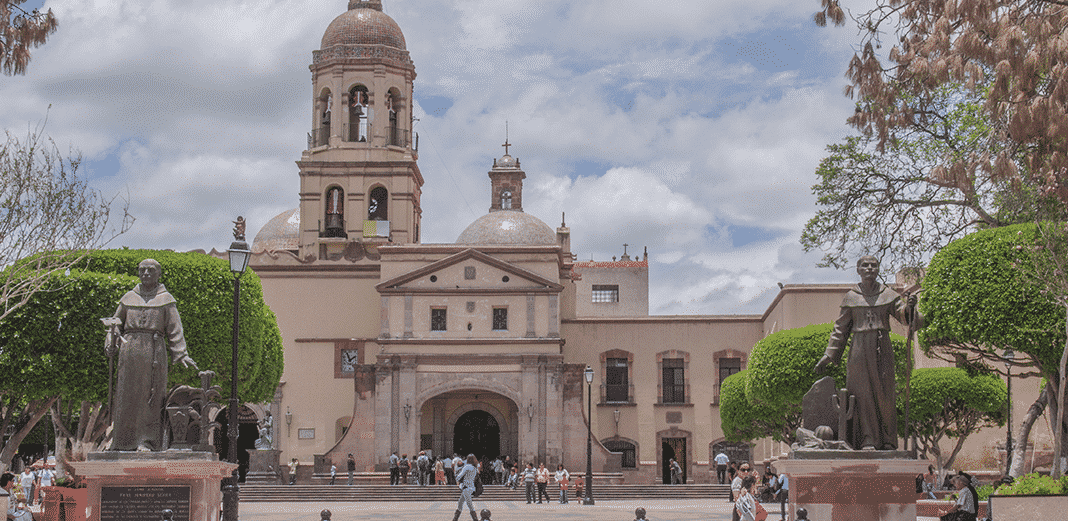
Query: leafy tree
[[947, 402], [21, 30], [891, 203], [56, 340], [1017, 47], [49, 217], [978, 302]]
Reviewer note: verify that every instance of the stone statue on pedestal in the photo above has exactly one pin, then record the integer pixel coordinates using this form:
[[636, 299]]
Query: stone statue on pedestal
[[264, 442], [146, 334], [865, 316]]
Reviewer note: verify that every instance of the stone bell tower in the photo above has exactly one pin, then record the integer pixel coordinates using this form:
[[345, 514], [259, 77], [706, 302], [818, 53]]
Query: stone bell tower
[[360, 184]]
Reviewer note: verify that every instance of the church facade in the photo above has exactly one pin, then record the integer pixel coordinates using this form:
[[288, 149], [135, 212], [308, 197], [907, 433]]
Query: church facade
[[476, 346]]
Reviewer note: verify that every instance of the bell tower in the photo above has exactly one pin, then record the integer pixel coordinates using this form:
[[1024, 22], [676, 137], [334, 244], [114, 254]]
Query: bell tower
[[360, 184]]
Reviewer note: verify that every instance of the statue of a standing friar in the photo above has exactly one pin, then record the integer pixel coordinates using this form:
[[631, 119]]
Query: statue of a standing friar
[[146, 335], [865, 314]]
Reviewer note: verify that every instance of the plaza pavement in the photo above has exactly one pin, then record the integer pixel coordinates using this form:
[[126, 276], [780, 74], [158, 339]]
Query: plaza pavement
[[657, 510]]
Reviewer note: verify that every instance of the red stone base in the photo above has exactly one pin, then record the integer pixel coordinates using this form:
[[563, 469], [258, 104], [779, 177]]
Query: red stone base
[[852, 489], [201, 472]]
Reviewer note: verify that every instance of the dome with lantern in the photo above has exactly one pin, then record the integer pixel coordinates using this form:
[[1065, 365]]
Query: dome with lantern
[[363, 24]]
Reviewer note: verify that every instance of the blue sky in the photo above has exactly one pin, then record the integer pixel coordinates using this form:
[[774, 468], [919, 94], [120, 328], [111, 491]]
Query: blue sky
[[690, 127]]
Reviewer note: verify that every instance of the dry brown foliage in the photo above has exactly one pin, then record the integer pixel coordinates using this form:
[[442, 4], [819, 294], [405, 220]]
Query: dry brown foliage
[[21, 30], [1021, 44]]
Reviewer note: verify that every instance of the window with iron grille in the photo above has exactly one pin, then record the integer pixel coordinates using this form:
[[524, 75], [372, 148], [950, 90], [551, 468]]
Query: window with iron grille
[[628, 450], [674, 384], [500, 319], [727, 367], [616, 387], [437, 319], [605, 293]]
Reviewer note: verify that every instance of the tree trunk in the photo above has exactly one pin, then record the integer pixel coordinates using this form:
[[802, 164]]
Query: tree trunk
[[34, 411], [1058, 423], [1019, 449]]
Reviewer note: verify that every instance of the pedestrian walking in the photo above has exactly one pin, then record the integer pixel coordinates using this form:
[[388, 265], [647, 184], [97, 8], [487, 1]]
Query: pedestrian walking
[[529, 478], [405, 466], [676, 472], [439, 472], [736, 488], [563, 477], [351, 463], [746, 505], [721, 467], [498, 470], [333, 473], [466, 479], [543, 483], [784, 492], [293, 471], [422, 463], [450, 471], [394, 469]]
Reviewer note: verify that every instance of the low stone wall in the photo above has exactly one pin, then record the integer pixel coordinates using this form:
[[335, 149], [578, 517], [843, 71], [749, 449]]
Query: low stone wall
[[930, 507]]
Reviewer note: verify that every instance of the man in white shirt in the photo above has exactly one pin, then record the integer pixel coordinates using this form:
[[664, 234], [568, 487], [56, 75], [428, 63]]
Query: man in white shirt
[[27, 479], [784, 492], [721, 467], [15, 510]]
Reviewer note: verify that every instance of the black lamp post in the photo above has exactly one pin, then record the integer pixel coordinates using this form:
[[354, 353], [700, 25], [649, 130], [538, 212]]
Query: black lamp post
[[239, 257], [1009, 356], [588, 374]]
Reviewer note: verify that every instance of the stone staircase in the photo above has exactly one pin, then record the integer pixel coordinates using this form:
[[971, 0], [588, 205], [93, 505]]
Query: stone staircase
[[379, 492]]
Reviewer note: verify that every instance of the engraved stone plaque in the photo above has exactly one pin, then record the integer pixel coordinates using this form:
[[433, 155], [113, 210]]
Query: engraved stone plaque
[[143, 502]]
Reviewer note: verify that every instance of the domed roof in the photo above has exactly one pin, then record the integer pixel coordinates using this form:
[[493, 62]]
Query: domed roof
[[363, 24], [280, 233], [508, 227]]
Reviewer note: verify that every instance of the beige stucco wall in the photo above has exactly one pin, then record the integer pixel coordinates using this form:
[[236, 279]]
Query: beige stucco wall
[[633, 282]]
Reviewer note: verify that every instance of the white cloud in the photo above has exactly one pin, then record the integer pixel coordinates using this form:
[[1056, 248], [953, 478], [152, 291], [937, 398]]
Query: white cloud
[[199, 108]]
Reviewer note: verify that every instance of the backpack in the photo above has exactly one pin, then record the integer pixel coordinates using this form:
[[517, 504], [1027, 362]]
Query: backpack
[[405, 464], [423, 463], [478, 486]]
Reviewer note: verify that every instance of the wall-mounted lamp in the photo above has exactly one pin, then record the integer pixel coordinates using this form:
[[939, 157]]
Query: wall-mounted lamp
[[530, 414], [407, 413], [289, 420], [616, 413]]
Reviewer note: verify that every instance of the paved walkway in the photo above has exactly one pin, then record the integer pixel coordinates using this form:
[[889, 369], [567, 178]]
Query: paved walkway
[[658, 510]]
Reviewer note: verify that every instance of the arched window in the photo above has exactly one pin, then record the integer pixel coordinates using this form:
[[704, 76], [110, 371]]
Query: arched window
[[506, 200], [335, 213], [359, 112], [322, 134], [395, 137], [378, 205]]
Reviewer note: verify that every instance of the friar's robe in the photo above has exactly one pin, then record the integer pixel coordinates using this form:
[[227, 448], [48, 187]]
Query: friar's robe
[[150, 330], [870, 368]]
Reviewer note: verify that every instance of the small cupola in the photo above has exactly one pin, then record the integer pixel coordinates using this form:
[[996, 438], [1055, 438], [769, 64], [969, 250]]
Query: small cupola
[[506, 183]]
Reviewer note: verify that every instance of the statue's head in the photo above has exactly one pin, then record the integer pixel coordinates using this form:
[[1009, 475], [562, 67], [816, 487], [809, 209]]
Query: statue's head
[[868, 268], [149, 272]]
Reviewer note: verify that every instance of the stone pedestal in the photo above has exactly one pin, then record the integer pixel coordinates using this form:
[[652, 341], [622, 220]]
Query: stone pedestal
[[126, 484], [849, 485], [263, 467]]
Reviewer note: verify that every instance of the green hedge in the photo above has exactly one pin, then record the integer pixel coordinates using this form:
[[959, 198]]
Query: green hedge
[[55, 342]]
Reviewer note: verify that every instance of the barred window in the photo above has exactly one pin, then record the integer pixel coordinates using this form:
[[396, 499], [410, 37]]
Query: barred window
[[500, 319], [616, 387], [437, 319], [628, 461], [605, 293], [727, 367], [674, 384]]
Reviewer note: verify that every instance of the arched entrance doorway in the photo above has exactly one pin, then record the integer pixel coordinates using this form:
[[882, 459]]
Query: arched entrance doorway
[[247, 433], [477, 432]]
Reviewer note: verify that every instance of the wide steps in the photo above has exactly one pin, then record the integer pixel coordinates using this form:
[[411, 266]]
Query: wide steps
[[343, 493]]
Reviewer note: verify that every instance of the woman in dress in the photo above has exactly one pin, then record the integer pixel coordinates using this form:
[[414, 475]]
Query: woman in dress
[[439, 471]]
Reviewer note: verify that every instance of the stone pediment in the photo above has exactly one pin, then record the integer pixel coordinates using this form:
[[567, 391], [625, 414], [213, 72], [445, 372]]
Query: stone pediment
[[469, 271]]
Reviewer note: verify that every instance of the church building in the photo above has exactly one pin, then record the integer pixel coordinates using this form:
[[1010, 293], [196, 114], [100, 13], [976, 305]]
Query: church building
[[478, 345]]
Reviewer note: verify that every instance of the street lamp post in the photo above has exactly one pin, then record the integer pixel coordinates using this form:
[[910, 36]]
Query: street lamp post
[[1009, 356], [239, 257], [588, 374]]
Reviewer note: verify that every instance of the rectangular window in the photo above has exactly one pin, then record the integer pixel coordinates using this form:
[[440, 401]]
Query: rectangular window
[[727, 367], [500, 319], [605, 293], [437, 319], [616, 386], [674, 385]]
